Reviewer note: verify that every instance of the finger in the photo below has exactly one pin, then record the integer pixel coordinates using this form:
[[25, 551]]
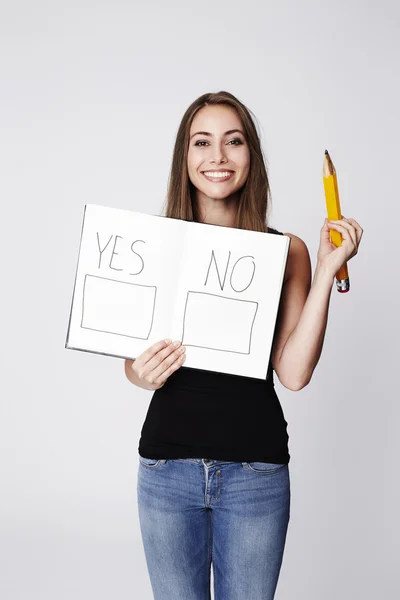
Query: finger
[[345, 229], [356, 226], [153, 349], [342, 226], [325, 231], [342, 223], [176, 358], [160, 356], [162, 378]]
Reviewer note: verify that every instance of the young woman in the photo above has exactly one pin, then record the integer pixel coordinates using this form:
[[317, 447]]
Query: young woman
[[213, 480]]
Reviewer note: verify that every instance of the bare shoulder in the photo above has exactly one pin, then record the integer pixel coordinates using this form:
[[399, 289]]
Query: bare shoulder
[[299, 257]]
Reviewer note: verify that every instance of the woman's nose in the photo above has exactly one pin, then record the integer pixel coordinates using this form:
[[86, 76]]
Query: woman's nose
[[218, 155]]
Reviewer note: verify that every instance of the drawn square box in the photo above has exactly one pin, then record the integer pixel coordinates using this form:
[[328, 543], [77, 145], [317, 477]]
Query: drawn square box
[[218, 323], [118, 307]]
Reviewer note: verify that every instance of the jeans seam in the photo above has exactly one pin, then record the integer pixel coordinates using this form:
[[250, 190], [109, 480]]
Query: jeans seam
[[210, 536], [265, 472]]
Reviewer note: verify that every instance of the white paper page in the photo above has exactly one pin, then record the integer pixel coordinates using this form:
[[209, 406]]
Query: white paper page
[[228, 298], [125, 284]]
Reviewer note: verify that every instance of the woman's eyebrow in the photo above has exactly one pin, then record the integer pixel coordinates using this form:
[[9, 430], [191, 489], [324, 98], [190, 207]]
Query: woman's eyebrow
[[210, 134]]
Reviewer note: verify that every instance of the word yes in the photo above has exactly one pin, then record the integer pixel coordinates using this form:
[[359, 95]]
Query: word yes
[[115, 253]]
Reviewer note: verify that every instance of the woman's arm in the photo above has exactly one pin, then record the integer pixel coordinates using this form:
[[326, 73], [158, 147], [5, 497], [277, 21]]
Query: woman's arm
[[303, 313], [302, 318]]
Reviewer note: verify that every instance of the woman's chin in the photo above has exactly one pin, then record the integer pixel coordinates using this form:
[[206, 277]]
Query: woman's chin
[[220, 194]]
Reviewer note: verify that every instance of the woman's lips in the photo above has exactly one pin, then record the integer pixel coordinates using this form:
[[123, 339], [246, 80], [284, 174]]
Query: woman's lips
[[218, 179]]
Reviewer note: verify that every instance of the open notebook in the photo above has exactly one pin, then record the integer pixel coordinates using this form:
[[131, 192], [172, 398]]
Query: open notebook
[[141, 278]]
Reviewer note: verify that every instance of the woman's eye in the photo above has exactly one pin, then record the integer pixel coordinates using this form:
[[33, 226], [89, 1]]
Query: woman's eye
[[236, 140]]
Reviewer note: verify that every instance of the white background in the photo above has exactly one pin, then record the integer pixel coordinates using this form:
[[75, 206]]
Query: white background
[[92, 94]]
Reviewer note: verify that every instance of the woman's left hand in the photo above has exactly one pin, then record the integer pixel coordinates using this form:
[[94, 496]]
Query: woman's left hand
[[333, 257]]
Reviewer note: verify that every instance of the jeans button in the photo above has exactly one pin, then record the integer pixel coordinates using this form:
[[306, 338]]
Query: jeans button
[[206, 460]]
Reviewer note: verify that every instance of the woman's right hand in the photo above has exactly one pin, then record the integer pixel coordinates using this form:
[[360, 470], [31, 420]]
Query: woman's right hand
[[152, 368]]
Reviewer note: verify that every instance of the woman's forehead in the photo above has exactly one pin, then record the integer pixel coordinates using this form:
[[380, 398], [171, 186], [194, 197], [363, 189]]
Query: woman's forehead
[[218, 118]]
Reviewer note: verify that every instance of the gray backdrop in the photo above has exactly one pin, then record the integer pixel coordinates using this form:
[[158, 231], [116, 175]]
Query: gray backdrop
[[92, 94]]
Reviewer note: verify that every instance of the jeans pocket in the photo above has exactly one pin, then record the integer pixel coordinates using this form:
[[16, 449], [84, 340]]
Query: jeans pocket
[[264, 468], [151, 463]]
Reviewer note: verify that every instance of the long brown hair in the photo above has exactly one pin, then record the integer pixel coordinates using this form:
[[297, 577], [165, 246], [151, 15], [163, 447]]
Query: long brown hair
[[255, 194]]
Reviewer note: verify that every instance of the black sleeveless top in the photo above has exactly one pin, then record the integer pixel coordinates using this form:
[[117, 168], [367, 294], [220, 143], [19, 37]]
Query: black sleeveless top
[[205, 414]]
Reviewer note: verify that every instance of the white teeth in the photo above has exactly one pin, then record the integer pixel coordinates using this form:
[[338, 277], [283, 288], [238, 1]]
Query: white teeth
[[216, 175]]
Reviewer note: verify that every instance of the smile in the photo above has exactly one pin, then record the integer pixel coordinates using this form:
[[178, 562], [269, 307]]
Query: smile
[[217, 176]]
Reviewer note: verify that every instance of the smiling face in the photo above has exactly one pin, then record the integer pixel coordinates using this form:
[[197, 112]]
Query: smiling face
[[218, 157]]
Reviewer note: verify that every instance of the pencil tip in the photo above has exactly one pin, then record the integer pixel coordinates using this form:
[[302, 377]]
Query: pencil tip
[[326, 152]]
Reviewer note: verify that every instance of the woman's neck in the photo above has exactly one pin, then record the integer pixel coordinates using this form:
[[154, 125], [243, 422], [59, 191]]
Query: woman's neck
[[217, 211]]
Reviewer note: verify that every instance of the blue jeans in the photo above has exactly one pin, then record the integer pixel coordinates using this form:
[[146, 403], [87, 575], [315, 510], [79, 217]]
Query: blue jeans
[[195, 511]]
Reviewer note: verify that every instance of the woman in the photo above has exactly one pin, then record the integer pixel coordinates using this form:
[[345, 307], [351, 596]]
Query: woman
[[213, 480]]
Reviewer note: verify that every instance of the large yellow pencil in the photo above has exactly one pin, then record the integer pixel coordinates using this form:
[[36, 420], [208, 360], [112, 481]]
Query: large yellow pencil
[[334, 214]]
